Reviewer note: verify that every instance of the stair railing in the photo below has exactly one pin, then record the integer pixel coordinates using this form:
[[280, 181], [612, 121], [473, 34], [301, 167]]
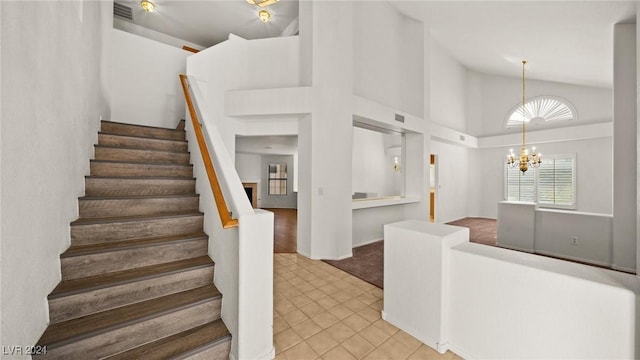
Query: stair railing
[[225, 215]]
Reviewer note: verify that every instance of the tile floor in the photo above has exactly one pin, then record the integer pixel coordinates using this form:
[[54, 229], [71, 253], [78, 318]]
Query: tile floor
[[321, 312]]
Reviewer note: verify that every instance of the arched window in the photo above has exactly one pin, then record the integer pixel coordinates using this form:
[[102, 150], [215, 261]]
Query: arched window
[[541, 109]]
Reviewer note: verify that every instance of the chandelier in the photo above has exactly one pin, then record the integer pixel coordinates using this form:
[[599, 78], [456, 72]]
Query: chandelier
[[525, 160]]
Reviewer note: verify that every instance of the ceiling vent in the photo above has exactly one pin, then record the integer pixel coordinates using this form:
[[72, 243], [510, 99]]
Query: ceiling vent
[[122, 11]]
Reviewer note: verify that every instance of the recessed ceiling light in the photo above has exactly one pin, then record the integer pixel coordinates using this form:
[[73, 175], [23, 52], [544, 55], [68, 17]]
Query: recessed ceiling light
[[147, 6], [268, 147], [264, 15]]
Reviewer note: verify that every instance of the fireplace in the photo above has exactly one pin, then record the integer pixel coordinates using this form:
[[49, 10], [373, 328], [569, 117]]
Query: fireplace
[[252, 193]]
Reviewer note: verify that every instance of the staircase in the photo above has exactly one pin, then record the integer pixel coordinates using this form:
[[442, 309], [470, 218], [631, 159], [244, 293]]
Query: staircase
[[137, 282]]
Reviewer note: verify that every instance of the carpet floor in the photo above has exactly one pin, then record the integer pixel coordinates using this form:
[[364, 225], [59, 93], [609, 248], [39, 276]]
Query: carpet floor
[[367, 261]]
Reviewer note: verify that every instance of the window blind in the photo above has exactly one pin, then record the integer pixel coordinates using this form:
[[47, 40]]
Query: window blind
[[553, 184]]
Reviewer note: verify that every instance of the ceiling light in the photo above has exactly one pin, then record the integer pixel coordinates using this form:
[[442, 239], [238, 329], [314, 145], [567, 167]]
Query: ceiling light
[[147, 6], [264, 15], [524, 160], [262, 3]]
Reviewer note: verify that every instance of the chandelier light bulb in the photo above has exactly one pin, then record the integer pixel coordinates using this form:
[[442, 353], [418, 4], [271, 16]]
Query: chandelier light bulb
[[147, 6], [264, 15]]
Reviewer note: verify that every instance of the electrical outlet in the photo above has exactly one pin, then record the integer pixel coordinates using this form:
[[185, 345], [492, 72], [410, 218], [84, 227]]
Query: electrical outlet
[[574, 240]]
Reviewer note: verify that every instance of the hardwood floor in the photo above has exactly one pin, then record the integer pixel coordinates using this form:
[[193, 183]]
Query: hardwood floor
[[285, 230]]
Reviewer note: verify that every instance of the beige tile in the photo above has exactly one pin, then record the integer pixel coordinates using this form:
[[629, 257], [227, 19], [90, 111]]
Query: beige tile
[[369, 314], [341, 296], [386, 327], [311, 309], [374, 335], [318, 283], [284, 307], [341, 284], [280, 356], [316, 294], [340, 332], [300, 301], [367, 298], [396, 349], [355, 322], [377, 354], [287, 339], [302, 351], [321, 342], [306, 329], [354, 304], [378, 305], [329, 289], [353, 290], [306, 287], [358, 346], [295, 317], [340, 311], [377, 292], [338, 353], [407, 340], [426, 353], [327, 302], [324, 319], [279, 325]]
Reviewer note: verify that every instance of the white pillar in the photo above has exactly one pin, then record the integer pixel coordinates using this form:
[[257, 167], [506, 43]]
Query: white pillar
[[624, 147], [325, 223]]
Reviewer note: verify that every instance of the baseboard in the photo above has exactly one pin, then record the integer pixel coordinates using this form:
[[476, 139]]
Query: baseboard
[[324, 258], [367, 243], [622, 268], [439, 346], [511, 247], [269, 355], [573, 258]]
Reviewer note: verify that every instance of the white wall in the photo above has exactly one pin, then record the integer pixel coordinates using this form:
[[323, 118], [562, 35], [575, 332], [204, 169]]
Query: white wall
[[448, 89], [228, 66], [491, 98], [387, 57], [594, 180], [145, 88], [52, 101], [562, 310]]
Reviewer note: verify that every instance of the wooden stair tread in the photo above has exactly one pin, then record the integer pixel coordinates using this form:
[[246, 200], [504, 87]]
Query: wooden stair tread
[[138, 197], [140, 126], [79, 250], [74, 286], [119, 219], [128, 148], [139, 163], [72, 330], [140, 177], [139, 137], [206, 335]]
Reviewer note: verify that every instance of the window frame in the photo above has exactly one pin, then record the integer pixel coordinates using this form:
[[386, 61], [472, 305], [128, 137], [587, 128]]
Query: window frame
[[279, 179], [536, 183]]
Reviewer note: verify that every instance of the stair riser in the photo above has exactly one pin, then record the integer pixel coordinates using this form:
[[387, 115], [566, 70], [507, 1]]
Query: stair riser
[[116, 154], [217, 352], [119, 231], [125, 169], [96, 264], [133, 130], [96, 208], [89, 302], [141, 143], [133, 187], [137, 334]]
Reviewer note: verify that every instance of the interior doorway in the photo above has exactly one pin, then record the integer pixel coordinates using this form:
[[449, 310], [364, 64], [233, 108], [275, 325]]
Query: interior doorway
[[433, 185]]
